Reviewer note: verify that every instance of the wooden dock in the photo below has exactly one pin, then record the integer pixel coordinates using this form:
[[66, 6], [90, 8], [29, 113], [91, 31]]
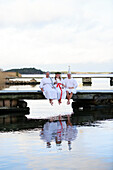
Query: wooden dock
[[13, 108], [37, 94], [92, 98], [86, 79], [82, 98], [63, 76], [21, 94]]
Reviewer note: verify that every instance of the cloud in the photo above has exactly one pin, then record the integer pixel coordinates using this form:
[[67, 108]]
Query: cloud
[[25, 11], [55, 32]]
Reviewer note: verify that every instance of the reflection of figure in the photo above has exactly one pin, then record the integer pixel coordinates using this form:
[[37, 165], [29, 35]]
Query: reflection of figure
[[71, 133], [47, 88], [71, 85], [61, 92], [47, 132], [58, 132]]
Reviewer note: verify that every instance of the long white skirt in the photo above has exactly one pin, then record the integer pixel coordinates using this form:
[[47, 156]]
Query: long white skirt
[[59, 93], [49, 92]]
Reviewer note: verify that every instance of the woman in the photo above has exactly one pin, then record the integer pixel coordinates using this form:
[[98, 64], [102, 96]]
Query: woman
[[58, 82]]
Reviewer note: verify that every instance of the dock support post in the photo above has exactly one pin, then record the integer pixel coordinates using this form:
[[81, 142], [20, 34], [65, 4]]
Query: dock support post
[[87, 81], [111, 81]]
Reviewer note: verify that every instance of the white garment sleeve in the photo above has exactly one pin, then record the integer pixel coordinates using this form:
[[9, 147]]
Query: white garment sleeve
[[41, 84], [53, 80], [75, 84]]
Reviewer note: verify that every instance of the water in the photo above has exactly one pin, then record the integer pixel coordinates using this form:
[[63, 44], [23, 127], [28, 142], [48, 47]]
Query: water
[[54, 138], [32, 144], [92, 148]]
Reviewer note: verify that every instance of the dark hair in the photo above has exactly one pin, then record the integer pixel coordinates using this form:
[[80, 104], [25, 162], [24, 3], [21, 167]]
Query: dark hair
[[56, 77], [58, 73]]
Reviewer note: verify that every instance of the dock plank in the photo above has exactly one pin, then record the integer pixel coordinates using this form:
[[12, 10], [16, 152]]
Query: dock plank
[[37, 94]]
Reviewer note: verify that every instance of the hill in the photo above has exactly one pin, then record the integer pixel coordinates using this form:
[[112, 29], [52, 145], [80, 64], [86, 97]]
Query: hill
[[26, 71]]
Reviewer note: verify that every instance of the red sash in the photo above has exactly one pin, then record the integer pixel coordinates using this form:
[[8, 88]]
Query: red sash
[[60, 130], [59, 85]]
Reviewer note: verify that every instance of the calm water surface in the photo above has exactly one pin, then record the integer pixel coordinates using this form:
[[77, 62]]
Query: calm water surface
[[60, 139], [83, 140], [92, 148]]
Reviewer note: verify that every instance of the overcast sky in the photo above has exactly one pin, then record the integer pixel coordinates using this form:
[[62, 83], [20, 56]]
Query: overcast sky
[[52, 34]]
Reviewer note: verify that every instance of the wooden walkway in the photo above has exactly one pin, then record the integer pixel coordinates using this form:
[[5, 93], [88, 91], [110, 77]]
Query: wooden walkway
[[34, 94], [86, 78], [82, 99], [75, 76]]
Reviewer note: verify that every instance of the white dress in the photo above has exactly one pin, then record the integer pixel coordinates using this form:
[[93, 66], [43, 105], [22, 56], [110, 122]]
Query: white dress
[[52, 130], [46, 134], [61, 91], [70, 83], [61, 130], [71, 133], [49, 91], [49, 131]]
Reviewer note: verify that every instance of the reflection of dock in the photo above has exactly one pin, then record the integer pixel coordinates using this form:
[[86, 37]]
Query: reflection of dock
[[88, 117], [12, 110]]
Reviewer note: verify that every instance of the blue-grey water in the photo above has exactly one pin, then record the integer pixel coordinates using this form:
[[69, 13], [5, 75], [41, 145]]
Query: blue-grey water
[[54, 138], [91, 149]]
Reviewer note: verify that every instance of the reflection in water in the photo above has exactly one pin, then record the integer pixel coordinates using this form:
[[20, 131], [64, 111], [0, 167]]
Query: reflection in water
[[18, 121], [58, 131], [91, 145], [90, 116]]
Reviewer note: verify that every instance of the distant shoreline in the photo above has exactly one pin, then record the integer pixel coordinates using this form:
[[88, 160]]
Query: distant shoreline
[[75, 73], [89, 72], [38, 71]]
